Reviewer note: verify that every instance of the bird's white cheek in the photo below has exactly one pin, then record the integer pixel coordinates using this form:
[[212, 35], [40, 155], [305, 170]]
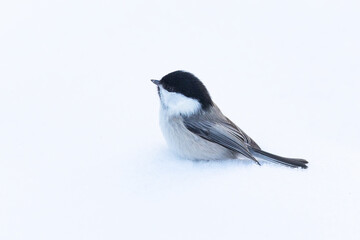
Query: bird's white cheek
[[176, 103]]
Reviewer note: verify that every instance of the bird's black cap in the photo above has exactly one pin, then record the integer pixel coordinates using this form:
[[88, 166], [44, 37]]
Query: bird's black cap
[[188, 85]]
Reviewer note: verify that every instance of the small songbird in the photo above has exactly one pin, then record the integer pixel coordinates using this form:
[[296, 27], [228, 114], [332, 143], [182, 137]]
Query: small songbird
[[195, 128]]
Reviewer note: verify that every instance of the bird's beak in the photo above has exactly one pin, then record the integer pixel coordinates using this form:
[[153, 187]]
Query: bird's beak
[[156, 82]]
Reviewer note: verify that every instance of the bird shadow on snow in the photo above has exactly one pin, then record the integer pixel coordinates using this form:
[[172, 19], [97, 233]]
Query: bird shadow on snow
[[163, 157], [159, 167]]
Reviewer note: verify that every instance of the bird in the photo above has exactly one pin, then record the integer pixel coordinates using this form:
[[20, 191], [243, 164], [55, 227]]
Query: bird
[[195, 128]]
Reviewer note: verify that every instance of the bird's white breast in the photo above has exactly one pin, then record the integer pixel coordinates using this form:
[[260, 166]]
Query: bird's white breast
[[187, 144]]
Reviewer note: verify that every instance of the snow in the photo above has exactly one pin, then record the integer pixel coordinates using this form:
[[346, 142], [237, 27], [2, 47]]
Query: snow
[[82, 155]]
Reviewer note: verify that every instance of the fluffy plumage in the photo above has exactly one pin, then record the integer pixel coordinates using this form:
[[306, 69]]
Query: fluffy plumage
[[195, 128]]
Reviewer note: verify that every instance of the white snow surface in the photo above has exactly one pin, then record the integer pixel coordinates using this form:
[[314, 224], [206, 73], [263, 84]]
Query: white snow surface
[[81, 152]]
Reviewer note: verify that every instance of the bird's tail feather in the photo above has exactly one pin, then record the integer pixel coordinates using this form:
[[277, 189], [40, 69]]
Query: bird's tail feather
[[291, 162]]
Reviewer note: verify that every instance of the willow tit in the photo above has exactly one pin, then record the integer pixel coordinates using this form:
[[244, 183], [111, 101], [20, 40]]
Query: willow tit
[[195, 128]]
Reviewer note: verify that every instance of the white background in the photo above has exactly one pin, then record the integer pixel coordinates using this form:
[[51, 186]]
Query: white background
[[81, 152]]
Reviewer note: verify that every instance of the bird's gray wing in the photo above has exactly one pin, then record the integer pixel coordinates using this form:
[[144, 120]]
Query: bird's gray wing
[[242, 135], [221, 132]]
